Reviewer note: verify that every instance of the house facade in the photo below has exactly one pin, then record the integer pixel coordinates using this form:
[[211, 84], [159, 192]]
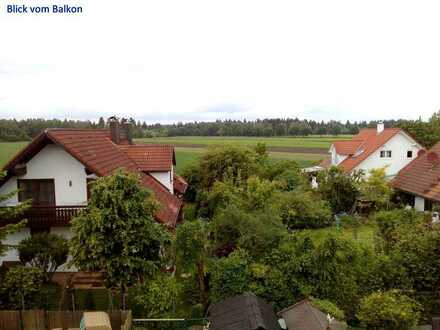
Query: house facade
[[391, 148], [56, 169], [419, 181]]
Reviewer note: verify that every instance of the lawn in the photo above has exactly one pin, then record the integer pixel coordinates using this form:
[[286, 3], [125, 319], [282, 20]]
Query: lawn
[[364, 234], [303, 142], [9, 149]]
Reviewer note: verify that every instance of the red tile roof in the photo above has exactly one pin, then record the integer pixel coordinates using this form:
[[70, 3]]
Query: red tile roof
[[366, 142], [95, 150], [347, 147], [151, 157], [421, 176]]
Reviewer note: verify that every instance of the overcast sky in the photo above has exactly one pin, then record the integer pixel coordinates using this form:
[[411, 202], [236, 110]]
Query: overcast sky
[[184, 60]]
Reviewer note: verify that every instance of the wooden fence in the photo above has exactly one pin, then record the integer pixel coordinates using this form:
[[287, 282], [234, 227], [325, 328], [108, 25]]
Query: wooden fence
[[47, 320]]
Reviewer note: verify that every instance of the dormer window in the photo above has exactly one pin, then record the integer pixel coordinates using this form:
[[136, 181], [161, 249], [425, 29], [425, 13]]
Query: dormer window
[[409, 154]]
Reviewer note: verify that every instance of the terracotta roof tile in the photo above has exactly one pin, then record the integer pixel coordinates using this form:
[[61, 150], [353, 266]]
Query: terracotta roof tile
[[151, 157], [421, 176], [347, 147], [99, 154]]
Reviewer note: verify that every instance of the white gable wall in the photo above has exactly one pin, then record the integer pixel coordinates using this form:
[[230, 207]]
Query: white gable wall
[[335, 157], [399, 145], [52, 162], [165, 178]]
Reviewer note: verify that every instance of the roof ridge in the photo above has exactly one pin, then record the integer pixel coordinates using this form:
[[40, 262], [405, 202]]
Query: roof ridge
[[76, 129]]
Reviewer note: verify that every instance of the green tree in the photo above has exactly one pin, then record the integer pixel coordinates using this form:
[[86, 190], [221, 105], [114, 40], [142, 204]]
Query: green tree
[[304, 210], [157, 297], [192, 252], [376, 188], [117, 233], [20, 285], [6, 215], [232, 162], [389, 310], [44, 251], [339, 189]]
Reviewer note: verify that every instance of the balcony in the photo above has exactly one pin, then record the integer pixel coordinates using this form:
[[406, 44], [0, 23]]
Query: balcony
[[44, 216]]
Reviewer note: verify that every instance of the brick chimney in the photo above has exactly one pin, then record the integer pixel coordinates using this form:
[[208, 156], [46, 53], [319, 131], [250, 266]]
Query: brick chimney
[[114, 129], [120, 131]]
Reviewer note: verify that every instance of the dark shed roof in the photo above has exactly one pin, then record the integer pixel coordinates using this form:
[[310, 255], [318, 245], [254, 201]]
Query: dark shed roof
[[244, 312], [304, 316]]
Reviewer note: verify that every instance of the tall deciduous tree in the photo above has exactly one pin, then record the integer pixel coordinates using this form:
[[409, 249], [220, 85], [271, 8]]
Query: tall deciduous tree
[[376, 188], [339, 189], [192, 253], [117, 233]]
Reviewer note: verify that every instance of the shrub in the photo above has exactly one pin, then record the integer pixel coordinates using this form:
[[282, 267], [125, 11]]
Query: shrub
[[339, 189], [304, 210], [20, 286], [328, 307], [44, 251], [157, 296], [389, 310]]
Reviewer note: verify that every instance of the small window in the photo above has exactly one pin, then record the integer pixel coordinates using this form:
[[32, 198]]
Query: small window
[[388, 153], [382, 154], [409, 154]]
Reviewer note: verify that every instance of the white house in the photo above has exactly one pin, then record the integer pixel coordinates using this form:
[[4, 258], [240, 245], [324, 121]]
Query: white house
[[419, 181], [55, 170], [391, 148]]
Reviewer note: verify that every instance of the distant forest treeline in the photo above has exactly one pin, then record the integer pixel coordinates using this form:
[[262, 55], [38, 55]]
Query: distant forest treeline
[[427, 132]]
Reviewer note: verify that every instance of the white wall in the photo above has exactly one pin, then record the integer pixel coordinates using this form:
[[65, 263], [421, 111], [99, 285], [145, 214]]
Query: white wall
[[52, 162], [166, 178], [14, 239], [17, 237], [67, 234], [335, 157], [399, 145], [419, 203]]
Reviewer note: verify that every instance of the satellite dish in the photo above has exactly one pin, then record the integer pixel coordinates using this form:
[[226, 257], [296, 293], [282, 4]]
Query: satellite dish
[[421, 152], [432, 157]]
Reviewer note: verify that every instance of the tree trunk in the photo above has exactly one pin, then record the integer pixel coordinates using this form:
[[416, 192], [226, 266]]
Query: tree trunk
[[202, 286], [122, 298]]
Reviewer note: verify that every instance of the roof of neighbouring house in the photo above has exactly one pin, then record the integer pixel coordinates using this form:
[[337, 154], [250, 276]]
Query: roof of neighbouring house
[[422, 175], [244, 312], [97, 152], [362, 145], [305, 316]]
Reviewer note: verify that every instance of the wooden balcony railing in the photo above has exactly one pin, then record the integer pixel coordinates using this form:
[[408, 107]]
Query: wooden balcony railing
[[42, 216]]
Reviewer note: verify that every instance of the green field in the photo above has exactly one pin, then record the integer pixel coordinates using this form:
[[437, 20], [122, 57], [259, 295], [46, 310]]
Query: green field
[[189, 148], [305, 150], [9, 149], [303, 142]]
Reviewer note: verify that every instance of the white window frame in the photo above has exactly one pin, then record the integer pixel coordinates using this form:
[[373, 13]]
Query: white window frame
[[386, 153]]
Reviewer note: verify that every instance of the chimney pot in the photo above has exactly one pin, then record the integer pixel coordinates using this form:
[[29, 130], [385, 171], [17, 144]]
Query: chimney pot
[[380, 127]]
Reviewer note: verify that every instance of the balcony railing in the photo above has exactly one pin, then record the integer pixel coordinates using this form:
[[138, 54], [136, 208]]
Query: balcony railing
[[42, 216]]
